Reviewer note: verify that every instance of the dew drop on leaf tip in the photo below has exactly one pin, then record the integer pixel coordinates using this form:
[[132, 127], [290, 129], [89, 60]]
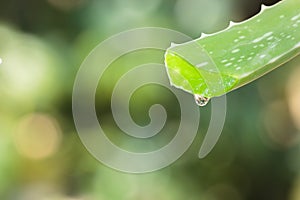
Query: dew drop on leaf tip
[[201, 100]]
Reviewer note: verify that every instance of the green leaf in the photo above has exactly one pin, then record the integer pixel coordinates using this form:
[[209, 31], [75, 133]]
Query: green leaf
[[219, 63]]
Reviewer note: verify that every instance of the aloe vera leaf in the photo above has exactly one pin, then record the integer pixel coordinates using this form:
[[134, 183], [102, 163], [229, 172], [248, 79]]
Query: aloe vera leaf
[[219, 63]]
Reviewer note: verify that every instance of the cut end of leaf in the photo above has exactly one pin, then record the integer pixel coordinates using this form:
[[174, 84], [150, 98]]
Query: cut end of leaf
[[197, 76]]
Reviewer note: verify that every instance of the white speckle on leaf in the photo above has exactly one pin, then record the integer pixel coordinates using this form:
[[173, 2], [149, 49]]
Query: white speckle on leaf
[[240, 60], [295, 17], [228, 64], [249, 58], [235, 50], [236, 40], [0, 61], [262, 37], [270, 38], [281, 16], [238, 68], [242, 37], [232, 58], [224, 61], [262, 56], [202, 64]]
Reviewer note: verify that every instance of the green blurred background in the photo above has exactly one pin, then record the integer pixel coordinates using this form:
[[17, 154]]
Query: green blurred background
[[43, 43]]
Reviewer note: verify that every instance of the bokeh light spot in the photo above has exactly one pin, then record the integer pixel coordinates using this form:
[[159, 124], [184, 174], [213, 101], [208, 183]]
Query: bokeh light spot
[[37, 136], [293, 96]]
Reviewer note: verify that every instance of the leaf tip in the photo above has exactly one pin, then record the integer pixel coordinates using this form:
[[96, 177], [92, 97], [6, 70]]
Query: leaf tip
[[264, 7], [203, 35], [173, 45], [232, 23]]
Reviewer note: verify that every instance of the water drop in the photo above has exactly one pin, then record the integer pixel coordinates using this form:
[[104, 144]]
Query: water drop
[[201, 100]]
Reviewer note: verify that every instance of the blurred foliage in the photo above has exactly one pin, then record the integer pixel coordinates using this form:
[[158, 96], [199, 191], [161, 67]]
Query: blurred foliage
[[43, 43]]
